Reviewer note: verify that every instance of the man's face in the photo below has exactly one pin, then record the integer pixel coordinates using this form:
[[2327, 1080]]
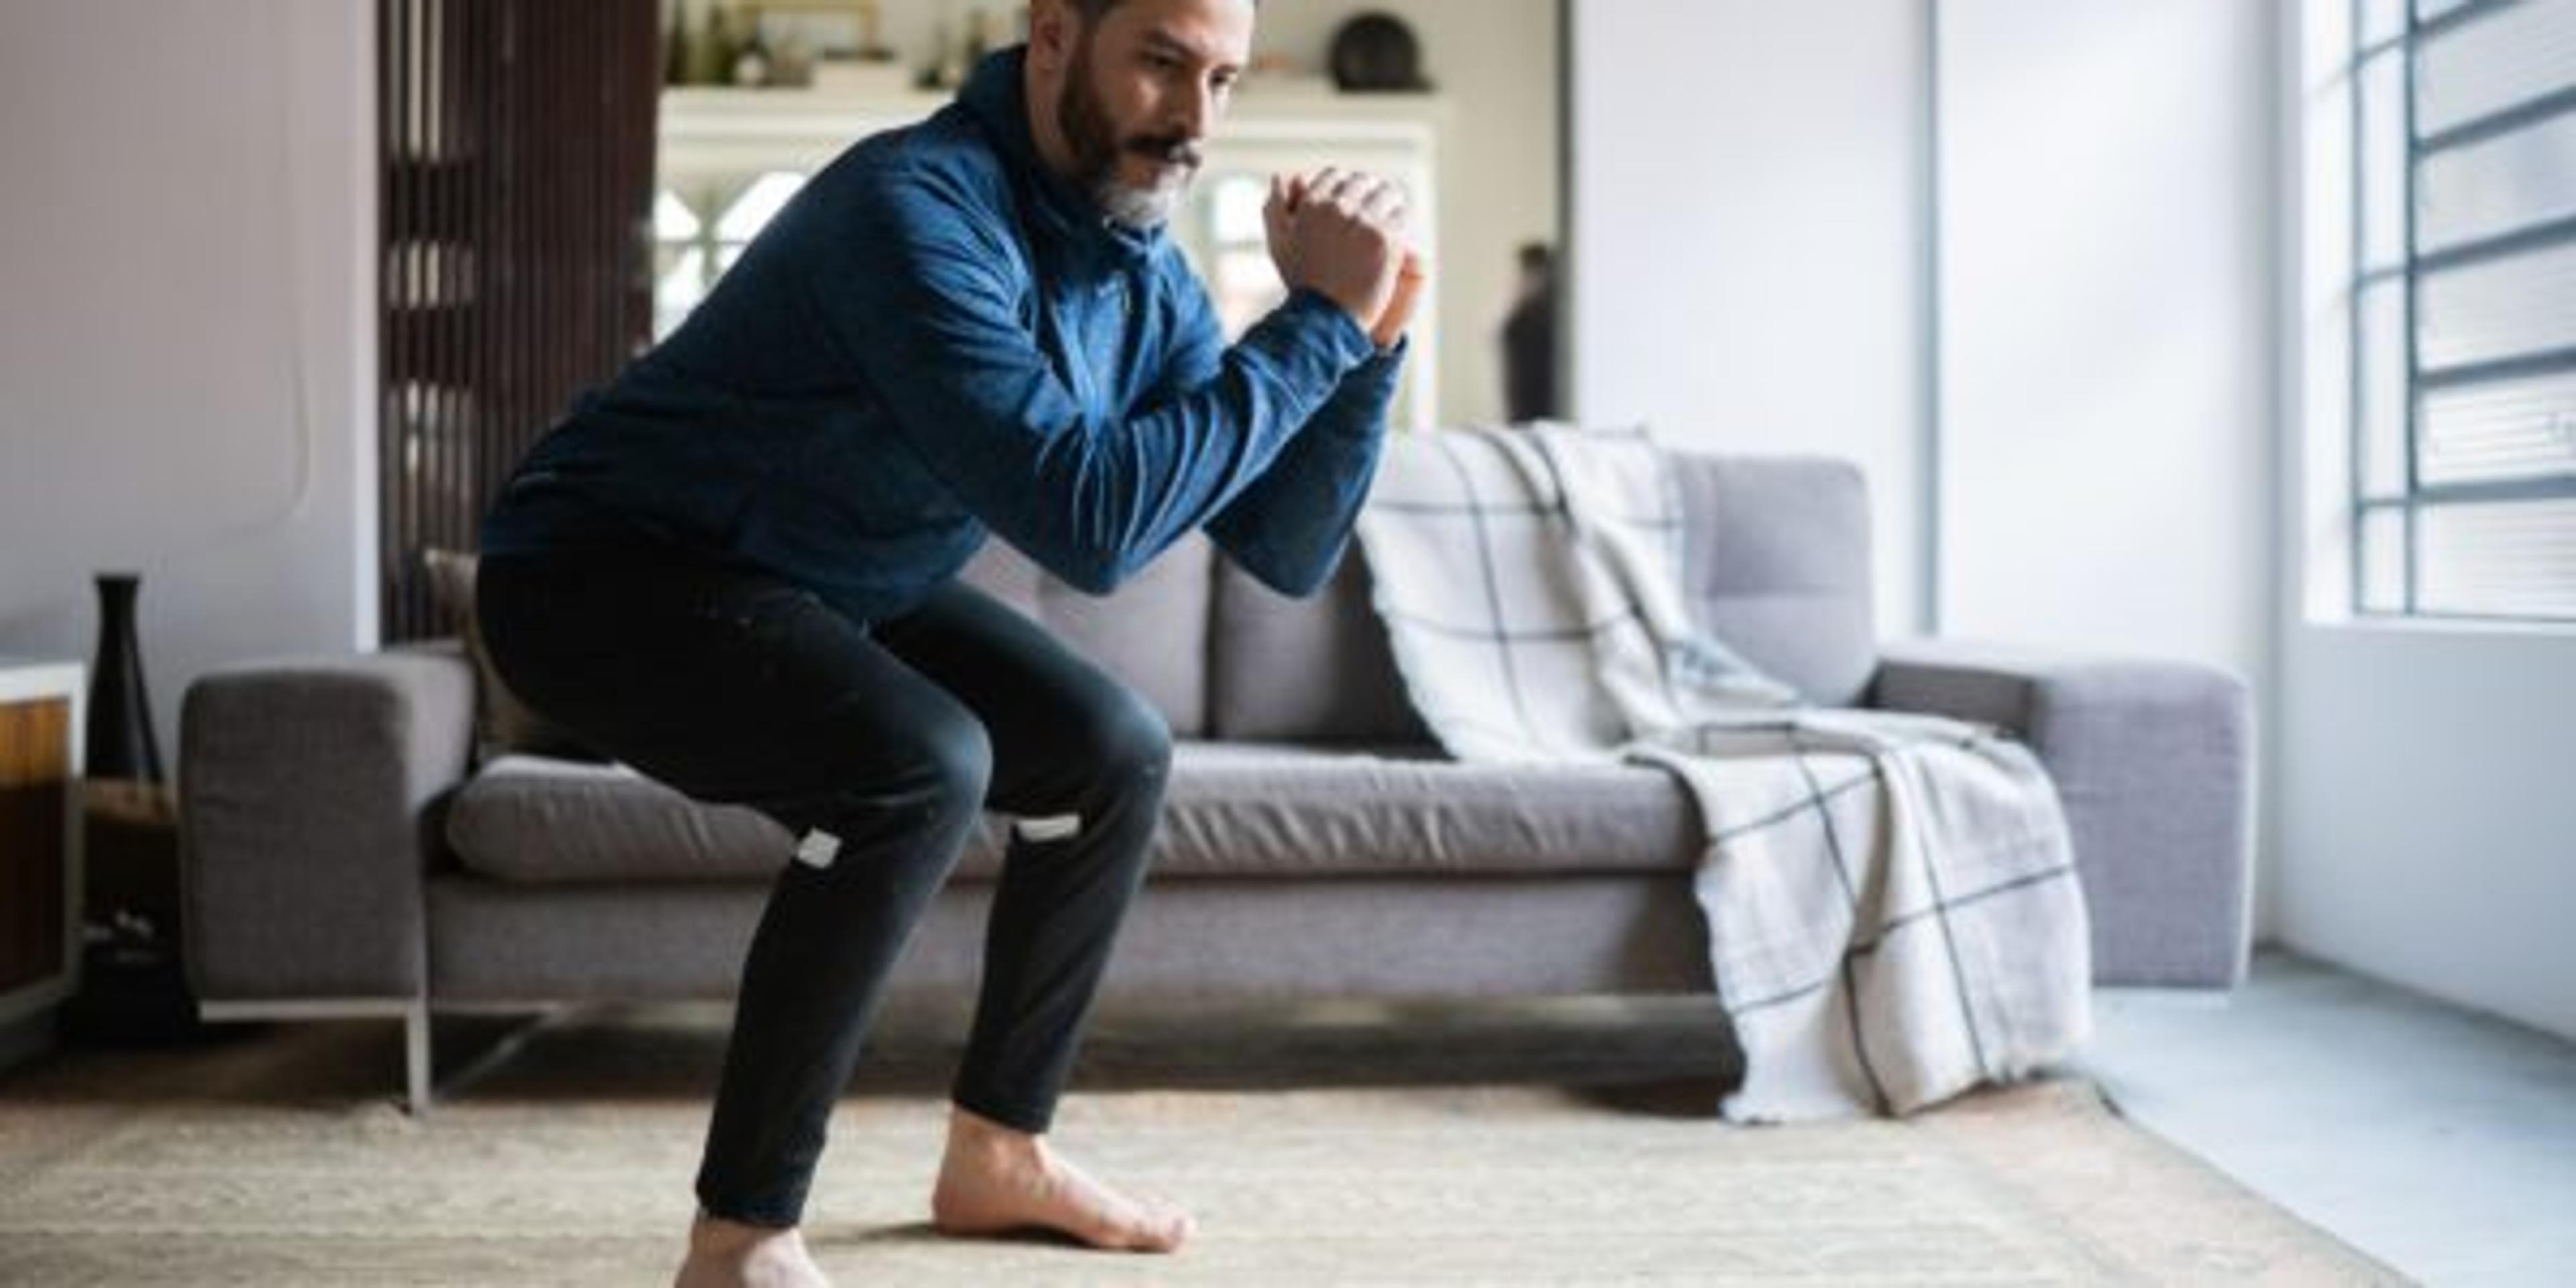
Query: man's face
[[1145, 83]]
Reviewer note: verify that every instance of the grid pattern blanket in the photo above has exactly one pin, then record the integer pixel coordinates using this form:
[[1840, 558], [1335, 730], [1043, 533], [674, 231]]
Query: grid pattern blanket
[[1893, 908]]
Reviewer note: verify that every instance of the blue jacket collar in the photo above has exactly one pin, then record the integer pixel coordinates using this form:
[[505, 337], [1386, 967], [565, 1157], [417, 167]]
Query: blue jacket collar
[[996, 93]]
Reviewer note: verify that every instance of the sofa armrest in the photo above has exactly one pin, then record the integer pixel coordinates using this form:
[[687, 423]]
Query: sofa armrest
[[305, 787], [2154, 761]]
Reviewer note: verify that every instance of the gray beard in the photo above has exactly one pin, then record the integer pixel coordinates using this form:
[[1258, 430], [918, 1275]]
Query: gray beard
[[1095, 149], [1140, 209]]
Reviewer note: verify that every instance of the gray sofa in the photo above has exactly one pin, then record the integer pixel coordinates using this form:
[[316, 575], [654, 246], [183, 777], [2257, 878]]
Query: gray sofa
[[351, 848]]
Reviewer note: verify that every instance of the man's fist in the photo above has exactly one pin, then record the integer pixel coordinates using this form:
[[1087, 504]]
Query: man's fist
[[1409, 281], [1341, 233]]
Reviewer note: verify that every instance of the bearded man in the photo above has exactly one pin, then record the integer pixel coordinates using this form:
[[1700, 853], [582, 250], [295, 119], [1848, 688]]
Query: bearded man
[[734, 568]]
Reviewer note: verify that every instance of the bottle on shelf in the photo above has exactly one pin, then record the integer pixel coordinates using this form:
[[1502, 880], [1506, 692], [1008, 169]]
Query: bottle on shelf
[[675, 46], [869, 68], [872, 46], [941, 71], [718, 48], [752, 63], [793, 62]]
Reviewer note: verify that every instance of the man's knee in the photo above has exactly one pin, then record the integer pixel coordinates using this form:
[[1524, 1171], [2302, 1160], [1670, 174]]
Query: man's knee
[[958, 759], [1130, 741], [932, 784], [1120, 752]]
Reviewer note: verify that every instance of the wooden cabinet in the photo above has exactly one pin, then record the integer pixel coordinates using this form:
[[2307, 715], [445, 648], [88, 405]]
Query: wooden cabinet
[[41, 720]]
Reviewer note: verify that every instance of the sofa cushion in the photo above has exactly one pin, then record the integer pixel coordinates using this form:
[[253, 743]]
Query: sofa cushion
[[1238, 809], [1777, 564], [1312, 670], [1232, 810], [1151, 633], [537, 818]]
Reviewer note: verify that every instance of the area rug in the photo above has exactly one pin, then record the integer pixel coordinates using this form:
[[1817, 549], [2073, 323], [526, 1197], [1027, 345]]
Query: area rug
[[1308, 1154]]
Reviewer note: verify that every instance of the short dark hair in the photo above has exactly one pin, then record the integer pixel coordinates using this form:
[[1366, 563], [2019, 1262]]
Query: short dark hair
[[1092, 9]]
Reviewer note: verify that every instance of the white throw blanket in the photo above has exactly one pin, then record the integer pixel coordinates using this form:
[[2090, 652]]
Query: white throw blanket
[[1893, 909]]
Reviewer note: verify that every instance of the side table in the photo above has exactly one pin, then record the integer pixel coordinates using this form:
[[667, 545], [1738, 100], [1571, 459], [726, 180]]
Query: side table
[[134, 986], [41, 721]]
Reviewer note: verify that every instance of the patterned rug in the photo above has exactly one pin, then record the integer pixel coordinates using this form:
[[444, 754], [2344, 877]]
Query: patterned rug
[[1480, 1145]]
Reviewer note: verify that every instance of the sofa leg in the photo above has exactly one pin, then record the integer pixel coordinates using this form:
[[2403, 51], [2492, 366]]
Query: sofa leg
[[414, 1013], [481, 1038], [416, 1053]]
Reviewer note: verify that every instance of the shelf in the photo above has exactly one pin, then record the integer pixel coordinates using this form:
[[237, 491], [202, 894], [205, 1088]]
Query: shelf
[[813, 124]]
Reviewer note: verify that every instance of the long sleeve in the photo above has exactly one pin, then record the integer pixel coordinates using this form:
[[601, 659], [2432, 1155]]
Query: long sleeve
[[1290, 527], [918, 290]]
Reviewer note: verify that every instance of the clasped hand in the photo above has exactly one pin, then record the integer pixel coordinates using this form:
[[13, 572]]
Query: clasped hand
[[1345, 234]]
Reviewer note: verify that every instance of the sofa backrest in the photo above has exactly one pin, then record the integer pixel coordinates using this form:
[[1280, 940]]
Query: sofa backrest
[[1777, 563], [1151, 633], [1304, 670], [1778, 566]]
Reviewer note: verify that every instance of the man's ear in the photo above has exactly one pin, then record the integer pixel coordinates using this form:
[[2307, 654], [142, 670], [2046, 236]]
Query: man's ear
[[1051, 33]]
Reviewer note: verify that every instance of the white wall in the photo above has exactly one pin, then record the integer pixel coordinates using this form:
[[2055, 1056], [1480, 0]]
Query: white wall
[[1747, 254], [1749, 229], [1750, 243], [187, 365], [2106, 390], [2425, 813], [2108, 399]]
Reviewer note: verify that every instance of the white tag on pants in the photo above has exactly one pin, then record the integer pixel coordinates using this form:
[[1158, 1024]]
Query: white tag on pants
[[818, 849], [1050, 827]]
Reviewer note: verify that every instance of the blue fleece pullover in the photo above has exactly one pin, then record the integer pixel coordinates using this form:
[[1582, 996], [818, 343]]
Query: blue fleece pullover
[[937, 339]]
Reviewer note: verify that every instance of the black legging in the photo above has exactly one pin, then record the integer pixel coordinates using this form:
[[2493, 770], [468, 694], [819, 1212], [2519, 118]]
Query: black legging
[[878, 748]]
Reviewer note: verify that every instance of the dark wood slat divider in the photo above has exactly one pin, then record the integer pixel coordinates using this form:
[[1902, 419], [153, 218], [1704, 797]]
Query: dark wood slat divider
[[516, 196]]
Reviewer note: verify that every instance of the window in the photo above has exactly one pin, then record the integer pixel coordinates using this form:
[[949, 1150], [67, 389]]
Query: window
[[2463, 326], [692, 249], [1242, 282]]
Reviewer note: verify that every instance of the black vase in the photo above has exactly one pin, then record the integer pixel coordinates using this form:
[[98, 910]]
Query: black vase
[[120, 713]]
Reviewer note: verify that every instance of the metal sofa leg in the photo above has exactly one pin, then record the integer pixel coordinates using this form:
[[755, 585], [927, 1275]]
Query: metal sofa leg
[[413, 1012], [487, 1044], [416, 1053]]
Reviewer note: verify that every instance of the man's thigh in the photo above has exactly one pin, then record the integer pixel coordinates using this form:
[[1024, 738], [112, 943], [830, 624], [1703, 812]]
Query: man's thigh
[[1052, 714], [729, 686]]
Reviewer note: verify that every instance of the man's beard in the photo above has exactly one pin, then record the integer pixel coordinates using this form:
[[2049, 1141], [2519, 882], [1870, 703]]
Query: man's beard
[[1097, 148]]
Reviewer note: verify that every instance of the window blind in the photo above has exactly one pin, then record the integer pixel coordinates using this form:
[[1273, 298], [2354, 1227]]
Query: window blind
[[2464, 317]]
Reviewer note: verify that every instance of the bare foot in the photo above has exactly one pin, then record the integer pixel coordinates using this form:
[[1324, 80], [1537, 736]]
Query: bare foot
[[994, 1179], [729, 1254]]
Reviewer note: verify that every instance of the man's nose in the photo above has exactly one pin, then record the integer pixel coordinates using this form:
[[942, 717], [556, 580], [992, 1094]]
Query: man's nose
[[1193, 111]]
